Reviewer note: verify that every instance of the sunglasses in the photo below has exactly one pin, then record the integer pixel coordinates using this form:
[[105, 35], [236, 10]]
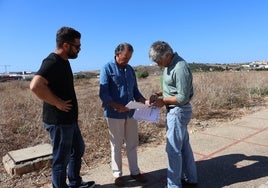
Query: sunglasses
[[77, 46]]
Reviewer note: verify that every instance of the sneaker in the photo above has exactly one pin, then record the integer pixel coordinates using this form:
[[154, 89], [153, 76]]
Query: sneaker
[[187, 183], [87, 184], [139, 178], [119, 182]]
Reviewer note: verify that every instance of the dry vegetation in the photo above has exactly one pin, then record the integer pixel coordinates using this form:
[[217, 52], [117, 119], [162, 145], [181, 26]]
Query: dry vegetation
[[218, 97]]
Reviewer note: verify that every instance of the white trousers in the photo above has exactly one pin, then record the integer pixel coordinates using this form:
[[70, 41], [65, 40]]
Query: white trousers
[[123, 131]]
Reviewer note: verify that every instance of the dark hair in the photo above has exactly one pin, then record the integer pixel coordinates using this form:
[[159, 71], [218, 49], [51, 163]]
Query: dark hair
[[66, 34], [121, 47]]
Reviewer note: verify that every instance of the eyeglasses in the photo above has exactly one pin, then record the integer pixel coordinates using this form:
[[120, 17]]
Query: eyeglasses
[[77, 46]]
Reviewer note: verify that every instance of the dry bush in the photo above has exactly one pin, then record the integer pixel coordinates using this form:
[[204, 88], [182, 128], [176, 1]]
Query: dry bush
[[217, 95], [20, 116]]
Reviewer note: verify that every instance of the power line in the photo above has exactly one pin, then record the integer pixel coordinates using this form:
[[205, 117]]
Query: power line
[[5, 66]]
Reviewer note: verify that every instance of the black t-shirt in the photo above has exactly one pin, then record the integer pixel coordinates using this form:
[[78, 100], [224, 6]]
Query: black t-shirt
[[59, 75]]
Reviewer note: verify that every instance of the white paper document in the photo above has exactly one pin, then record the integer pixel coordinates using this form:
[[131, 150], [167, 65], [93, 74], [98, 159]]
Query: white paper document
[[144, 112], [147, 114], [136, 105]]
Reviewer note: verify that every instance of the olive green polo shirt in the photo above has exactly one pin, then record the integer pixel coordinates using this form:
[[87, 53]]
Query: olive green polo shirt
[[177, 80]]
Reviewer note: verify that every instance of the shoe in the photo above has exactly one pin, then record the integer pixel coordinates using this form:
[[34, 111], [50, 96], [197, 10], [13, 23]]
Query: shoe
[[139, 178], [119, 182], [87, 184], [185, 182]]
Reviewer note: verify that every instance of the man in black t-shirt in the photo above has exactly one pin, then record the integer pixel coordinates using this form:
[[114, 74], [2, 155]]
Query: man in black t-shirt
[[53, 83]]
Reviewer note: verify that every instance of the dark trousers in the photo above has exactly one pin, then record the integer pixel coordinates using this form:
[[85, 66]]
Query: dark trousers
[[68, 149]]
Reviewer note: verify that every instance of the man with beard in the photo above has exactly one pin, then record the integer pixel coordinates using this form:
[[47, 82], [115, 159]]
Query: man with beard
[[53, 84]]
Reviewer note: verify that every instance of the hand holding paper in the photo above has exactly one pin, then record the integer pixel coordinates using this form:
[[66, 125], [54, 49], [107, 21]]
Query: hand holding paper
[[144, 112], [136, 105]]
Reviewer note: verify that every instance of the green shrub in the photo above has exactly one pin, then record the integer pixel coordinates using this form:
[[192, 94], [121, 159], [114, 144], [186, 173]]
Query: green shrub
[[142, 74]]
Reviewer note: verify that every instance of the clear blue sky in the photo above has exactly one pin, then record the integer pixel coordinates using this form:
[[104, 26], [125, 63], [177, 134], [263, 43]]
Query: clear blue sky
[[206, 31]]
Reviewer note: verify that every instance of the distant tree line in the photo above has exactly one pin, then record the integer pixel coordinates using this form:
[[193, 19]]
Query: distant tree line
[[200, 67], [145, 71]]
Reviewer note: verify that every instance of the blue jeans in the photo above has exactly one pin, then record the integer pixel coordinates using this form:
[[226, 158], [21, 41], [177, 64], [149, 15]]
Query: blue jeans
[[180, 155], [68, 149]]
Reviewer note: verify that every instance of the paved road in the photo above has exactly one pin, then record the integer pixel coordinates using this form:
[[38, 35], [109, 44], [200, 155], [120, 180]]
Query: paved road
[[233, 154]]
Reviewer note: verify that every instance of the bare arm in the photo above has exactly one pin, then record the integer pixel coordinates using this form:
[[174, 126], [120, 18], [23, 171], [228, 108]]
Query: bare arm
[[39, 86]]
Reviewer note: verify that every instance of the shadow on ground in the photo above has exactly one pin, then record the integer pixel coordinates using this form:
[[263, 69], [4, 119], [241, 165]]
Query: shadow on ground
[[212, 173], [230, 169], [156, 179]]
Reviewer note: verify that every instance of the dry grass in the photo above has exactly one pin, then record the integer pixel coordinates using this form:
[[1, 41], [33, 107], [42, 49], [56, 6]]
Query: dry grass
[[218, 93], [221, 96]]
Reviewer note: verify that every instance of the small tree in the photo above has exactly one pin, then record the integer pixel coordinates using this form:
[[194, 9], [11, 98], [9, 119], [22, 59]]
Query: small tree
[[142, 74]]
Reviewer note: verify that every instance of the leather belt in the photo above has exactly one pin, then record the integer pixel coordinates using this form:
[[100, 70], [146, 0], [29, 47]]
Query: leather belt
[[171, 107]]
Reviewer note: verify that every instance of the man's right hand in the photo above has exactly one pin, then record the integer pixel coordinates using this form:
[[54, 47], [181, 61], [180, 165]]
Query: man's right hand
[[65, 106], [121, 109]]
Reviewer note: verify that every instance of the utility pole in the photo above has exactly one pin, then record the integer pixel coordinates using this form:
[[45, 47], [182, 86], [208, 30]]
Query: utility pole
[[5, 66]]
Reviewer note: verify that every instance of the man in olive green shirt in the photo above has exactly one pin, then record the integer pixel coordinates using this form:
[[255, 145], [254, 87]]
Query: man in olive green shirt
[[176, 96]]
